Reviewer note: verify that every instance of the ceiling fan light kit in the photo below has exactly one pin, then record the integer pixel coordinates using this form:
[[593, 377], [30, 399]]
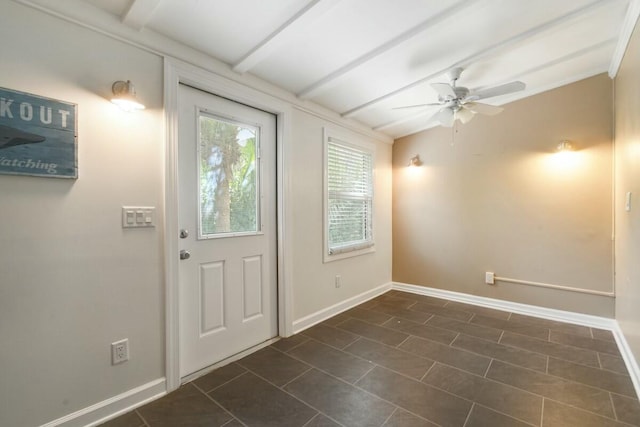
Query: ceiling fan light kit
[[459, 102]]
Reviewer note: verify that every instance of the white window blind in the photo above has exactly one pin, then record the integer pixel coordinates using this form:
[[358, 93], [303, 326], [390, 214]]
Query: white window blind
[[349, 197]]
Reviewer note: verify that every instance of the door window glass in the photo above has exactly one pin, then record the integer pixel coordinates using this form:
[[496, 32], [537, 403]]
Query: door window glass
[[228, 177]]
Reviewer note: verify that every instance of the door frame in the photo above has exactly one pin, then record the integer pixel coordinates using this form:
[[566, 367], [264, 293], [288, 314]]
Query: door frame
[[175, 73]]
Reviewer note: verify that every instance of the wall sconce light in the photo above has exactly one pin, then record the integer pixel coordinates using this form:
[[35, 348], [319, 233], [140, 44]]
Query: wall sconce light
[[124, 96], [565, 146], [415, 161]]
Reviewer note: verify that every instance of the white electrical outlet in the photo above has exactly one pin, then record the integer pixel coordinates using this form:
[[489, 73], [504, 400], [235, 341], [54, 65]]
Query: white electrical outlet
[[338, 280], [489, 278], [120, 351]]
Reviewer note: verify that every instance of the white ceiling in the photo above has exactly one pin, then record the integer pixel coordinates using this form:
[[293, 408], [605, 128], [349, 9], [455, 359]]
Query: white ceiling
[[362, 58]]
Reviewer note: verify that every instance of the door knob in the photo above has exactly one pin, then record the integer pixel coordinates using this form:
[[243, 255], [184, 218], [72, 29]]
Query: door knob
[[185, 254], [184, 233]]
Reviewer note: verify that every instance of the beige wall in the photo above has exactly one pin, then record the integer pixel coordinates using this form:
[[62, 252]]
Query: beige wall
[[627, 142], [493, 195]]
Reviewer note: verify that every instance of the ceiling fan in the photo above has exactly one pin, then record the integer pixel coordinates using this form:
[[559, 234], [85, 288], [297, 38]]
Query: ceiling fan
[[459, 102]]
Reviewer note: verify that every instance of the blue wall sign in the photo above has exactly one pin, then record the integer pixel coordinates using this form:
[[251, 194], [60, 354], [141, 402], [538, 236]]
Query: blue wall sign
[[38, 136]]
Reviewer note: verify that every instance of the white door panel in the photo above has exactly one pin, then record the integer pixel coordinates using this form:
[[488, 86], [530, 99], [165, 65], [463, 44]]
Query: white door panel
[[227, 202]]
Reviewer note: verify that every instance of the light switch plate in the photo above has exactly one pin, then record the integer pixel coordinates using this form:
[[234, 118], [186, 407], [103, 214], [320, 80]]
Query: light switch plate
[[138, 216]]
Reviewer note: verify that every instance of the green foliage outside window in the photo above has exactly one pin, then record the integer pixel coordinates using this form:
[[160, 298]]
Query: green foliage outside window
[[228, 177]]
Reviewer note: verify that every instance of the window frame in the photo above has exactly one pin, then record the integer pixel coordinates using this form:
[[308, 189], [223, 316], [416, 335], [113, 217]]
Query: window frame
[[347, 140]]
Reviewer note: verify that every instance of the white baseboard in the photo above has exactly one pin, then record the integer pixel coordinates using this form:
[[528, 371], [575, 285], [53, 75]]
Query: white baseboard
[[628, 357], [322, 315], [112, 407], [541, 312], [514, 307]]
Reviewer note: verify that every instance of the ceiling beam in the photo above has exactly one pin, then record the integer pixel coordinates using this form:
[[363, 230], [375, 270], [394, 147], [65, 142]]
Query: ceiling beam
[[287, 32], [323, 84], [482, 54], [404, 119], [139, 13], [565, 58], [517, 76], [630, 20]]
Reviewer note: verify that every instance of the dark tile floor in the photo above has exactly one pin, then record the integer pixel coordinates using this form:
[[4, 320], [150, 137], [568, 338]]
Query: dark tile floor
[[410, 360]]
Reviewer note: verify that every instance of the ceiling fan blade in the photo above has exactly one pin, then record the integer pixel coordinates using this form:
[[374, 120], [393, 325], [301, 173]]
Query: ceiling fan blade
[[465, 115], [446, 117], [490, 92], [444, 90], [477, 107], [433, 104]]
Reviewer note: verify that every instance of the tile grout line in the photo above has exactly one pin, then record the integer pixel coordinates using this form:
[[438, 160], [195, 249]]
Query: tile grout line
[[142, 418], [560, 378], [389, 417], [233, 417], [297, 398], [542, 412], [454, 340], [232, 420], [357, 386], [361, 389], [403, 341], [480, 404], [420, 382], [296, 377], [599, 360], [428, 370], [586, 410], [224, 383], [430, 317], [321, 414], [488, 367], [374, 364], [359, 337], [490, 329], [566, 347], [366, 373], [473, 405], [294, 347], [473, 315], [545, 397], [613, 405], [542, 396]]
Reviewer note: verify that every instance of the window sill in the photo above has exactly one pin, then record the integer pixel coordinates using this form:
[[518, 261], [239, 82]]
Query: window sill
[[350, 254]]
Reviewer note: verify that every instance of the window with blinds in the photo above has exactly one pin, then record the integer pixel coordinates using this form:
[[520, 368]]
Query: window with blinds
[[349, 197]]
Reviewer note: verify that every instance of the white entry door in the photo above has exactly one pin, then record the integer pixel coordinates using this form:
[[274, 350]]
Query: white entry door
[[227, 216]]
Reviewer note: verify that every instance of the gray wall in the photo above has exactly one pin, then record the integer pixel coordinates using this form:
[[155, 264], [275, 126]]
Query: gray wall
[[627, 126], [71, 279], [314, 279], [493, 195]]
